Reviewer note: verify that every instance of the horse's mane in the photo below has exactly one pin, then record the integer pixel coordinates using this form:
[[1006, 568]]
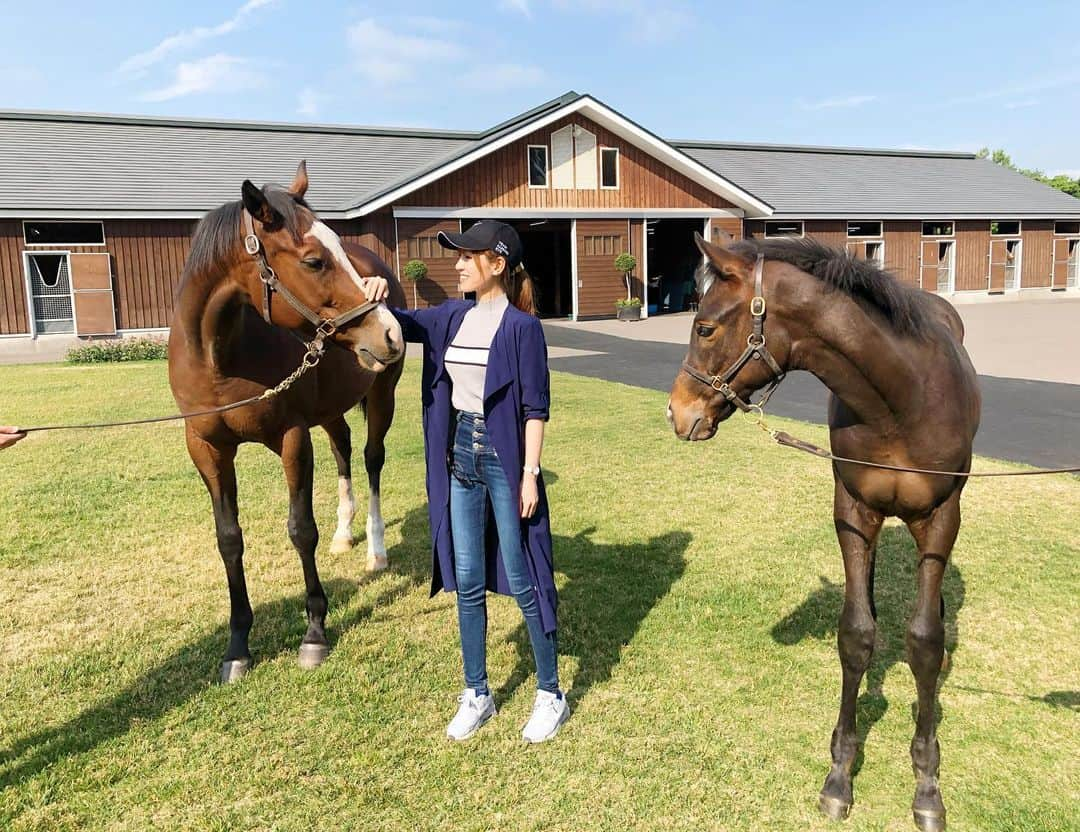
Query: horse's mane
[[903, 307], [218, 237]]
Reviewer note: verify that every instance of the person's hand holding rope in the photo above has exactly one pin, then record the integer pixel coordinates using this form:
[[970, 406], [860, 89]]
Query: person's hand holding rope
[[9, 435]]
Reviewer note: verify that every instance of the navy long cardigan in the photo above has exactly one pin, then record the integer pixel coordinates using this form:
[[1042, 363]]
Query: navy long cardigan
[[516, 389]]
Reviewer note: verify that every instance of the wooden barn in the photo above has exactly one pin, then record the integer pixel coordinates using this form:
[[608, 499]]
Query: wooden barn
[[96, 211]]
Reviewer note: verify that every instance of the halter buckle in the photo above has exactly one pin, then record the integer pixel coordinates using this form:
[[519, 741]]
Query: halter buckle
[[251, 244], [757, 306]]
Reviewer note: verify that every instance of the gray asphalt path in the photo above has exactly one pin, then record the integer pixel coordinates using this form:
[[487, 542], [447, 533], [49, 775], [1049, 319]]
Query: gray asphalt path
[[1034, 422]]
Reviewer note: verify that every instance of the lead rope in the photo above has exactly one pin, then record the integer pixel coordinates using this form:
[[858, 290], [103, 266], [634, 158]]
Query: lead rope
[[789, 441]]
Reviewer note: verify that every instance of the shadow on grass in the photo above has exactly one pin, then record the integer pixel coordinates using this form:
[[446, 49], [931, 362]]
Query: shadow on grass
[[608, 592], [279, 627], [894, 593]]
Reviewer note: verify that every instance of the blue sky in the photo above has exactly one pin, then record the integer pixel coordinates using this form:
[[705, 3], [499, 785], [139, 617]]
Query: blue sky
[[862, 74]]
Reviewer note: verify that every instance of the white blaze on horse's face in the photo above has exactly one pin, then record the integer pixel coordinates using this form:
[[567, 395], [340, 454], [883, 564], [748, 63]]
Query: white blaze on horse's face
[[332, 243]]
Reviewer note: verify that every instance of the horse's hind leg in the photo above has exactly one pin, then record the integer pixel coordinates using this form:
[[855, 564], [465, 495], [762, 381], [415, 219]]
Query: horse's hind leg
[[934, 538], [379, 407], [215, 465], [299, 462], [341, 445], [857, 528]]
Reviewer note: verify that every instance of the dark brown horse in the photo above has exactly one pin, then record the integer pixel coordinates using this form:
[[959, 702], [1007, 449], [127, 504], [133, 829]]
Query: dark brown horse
[[904, 393], [222, 350]]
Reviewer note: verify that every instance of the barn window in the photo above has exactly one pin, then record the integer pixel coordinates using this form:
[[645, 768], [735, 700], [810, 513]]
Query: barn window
[[875, 252], [1007, 228], [39, 233], [538, 166], [784, 228], [863, 229], [609, 167], [1067, 227], [935, 228]]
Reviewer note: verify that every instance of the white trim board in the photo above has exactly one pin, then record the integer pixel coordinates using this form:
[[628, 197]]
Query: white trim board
[[605, 117], [563, 214]]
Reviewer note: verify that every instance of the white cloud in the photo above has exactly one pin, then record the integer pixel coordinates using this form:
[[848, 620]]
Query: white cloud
[[217, 73], [138, 64], [309, 102], [1049, 82], [839, 103], [521, 6], [384, 57], [502, 77]]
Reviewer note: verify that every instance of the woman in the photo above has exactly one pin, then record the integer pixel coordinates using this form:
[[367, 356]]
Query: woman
[[485, 396]]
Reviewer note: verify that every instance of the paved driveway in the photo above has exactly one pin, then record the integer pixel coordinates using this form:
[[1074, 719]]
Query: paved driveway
[[1024, 420]]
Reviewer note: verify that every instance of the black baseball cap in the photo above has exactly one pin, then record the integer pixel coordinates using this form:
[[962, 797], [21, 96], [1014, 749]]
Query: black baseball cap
[[487, 235]]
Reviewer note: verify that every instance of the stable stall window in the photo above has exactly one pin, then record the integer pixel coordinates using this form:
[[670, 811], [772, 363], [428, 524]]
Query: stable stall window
[[780, 228], [49, 233]]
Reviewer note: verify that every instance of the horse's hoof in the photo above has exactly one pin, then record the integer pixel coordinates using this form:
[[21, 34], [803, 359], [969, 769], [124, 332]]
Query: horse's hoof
[[341, 545], [313, 655], [376, 562], [833, 808], [929, 820], [233, 669]]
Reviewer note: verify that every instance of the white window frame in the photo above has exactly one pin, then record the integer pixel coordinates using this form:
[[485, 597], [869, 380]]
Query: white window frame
[[28, 244], [878, 236], [27, 254], [618, 173], [547, 166], [1012, 234], [765, 229], [1058, 223], [878, 241], [949, 236]]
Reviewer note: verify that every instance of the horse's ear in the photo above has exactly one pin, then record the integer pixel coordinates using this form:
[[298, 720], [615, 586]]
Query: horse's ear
[[300, 181], [727, 264], [257, 205]]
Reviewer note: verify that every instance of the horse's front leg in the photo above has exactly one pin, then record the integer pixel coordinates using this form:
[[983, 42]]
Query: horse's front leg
[[216, 467], [299, 462], [380, 415], [341, 445], [934, 538], [857, 528]]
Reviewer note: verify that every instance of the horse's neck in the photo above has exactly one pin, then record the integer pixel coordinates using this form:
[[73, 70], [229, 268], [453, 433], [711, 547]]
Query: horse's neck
[[867, 365], [209, 315]]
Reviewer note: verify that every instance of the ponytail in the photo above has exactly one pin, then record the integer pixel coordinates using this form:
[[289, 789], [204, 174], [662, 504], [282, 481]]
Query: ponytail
[[518, 286]]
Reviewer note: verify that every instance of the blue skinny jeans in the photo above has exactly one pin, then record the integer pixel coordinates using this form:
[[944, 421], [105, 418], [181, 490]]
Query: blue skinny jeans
[[477, 477]]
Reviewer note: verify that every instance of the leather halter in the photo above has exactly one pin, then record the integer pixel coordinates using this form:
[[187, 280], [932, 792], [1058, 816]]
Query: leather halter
[[324, 326], [755, 350]]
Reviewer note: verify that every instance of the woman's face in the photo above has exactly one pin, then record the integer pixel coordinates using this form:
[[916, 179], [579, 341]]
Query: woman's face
[[477, 272]]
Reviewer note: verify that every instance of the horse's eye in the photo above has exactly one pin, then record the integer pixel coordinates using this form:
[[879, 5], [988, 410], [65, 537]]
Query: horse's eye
[[705, 331], [313, 263]]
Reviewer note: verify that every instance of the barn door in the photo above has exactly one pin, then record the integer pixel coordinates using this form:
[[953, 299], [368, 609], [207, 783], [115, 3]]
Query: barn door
[[1064, 256], [999, 259], [928, 273], [91, 282]]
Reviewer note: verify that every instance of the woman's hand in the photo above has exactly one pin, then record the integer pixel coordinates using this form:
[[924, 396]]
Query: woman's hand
[[376, 288], [9, 435], [530, 496]]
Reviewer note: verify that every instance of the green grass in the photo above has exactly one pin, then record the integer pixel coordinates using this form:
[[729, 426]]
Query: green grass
[[700, 587]]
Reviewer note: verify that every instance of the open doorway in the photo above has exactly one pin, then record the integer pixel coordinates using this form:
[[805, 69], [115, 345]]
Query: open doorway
[[672, 261], [547, 259]]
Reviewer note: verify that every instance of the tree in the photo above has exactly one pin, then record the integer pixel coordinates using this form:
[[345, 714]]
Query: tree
[[1061, 181]]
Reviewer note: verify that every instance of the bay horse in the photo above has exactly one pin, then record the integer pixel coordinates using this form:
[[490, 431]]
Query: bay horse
[[904, 393], [261, 272]]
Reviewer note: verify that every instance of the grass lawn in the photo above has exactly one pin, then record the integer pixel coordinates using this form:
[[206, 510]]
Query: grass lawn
[[700, 587]]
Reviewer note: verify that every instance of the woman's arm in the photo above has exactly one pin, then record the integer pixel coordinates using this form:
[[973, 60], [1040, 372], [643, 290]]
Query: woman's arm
[[415, 323], [534, 445]]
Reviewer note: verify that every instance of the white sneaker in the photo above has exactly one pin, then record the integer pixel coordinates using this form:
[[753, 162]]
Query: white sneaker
[[473, 712], [549, 712]]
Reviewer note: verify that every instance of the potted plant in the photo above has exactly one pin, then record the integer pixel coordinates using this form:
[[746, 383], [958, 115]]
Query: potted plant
[[415, 270], [628, 309], [626, 263]]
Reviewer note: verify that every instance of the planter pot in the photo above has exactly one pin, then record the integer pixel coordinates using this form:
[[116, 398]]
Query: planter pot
[[628, 313]]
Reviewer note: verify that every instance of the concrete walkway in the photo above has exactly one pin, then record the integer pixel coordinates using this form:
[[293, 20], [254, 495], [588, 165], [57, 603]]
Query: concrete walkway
[[1037, 340]]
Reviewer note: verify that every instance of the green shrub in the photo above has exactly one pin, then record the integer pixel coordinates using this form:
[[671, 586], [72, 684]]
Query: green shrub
[[625, 303], [625, 263], [128, 349], [415, 270]]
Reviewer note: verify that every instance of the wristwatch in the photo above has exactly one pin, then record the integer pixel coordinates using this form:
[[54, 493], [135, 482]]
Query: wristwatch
[[535, 471]]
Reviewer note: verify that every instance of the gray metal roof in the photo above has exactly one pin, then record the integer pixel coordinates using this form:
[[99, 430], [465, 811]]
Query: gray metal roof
[[143, 166], [840, 182], [68, 162]]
